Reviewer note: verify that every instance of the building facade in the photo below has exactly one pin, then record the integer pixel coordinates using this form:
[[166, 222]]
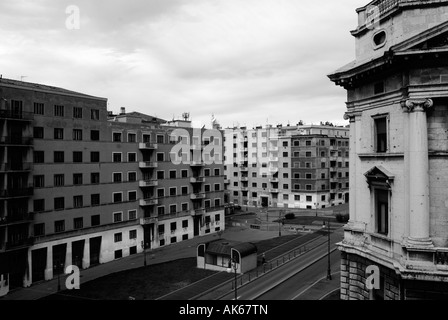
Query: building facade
[[302, 166], [80, 186], [397, 105]]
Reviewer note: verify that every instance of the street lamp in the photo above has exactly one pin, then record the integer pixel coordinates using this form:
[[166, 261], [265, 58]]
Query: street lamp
[[144, 245], [328, 255], [233, 262]]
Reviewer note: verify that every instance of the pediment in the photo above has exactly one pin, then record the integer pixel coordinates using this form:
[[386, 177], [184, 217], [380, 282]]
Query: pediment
[[435, 38], [378, 174]]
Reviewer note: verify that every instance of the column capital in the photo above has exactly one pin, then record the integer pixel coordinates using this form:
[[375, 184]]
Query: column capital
[[351, 116], [416, 105]]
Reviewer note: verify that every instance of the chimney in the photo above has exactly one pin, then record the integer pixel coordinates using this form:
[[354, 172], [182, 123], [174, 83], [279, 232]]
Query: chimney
[[122, 110]]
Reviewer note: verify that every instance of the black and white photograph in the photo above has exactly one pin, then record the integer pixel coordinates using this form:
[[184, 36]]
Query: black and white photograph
[[221, 158]]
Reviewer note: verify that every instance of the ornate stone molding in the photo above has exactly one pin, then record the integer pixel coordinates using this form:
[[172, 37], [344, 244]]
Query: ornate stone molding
[[416, 105], [351, 116]]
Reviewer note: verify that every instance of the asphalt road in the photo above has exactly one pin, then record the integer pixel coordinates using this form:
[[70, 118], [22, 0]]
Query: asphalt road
[[292, 278]]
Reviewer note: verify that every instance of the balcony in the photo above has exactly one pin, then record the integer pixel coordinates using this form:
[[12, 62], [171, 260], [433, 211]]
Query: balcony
[[17, 218], [197, 179], [273, 180], [148, 202], [147, 165], [18, 244], [12, 114], [16, 166], [18, 141], [244, 168], [245, 179], [148, 220], [226, 181], [148, 183], [244, 189], [12, 193], [197, 196], [197, 212], [273, 159], [147, 146], [196, 163], [273, 190], [273, 169]]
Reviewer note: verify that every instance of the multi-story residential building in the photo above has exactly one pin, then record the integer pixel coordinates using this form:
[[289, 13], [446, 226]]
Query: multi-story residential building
[[303, 166], [81, 186], [397, 106]]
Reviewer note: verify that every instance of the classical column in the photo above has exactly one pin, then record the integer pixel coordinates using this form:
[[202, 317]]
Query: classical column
[[352, 171], [49, 267], [418, 174]]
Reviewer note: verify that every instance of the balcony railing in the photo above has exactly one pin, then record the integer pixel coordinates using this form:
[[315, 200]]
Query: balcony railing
[[148, 183], [273, 180], [21, 141], [196, 163], [11, 114], [197, 179], [16, 166], [16, 218], [244, 168], [148, 202], [197, 212], [226, 181], [147, 165], [273, 190], [10, 193], [244, 178], [18, 244], [148, 220], [196, 196], [147, 146]]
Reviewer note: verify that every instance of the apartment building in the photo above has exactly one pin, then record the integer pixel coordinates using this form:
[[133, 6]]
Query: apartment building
[[81, 186], [304, 166], [395, 244]]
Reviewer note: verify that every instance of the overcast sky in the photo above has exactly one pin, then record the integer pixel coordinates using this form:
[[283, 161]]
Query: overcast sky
[[247, 62]]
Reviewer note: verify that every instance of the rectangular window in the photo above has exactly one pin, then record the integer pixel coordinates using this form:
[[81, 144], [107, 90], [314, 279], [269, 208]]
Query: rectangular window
[[58, 133], [173, 191], [118, 237], [184, 223], [132, 195], [38, 132], [77, 112], [77, 156], [59, 203], [160, 138], [117, 177], [39, 181], [94, 156], [381, 134], [77, 178], [95, 199], [296, 197], [77, 202], [78, 223], [116, 137], [217, 186], [58, 111], [59, 226], [309, 198], [95, 220], [77, 134], [95, 114], [94, 177], [382, 211], [132, 176], [184, 173], [95, 135], [173, 208], [38, 108], [117, 197], [160, 156], [160, 175], [132, 214], [132, 137], [132, 157], [184, 191], [161, 210], [184, 206], [132, 234], [118, 216], [116, 156], [58, 180], [58, 156]]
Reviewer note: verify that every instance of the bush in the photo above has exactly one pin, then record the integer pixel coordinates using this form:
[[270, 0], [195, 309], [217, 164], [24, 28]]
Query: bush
[[290, 216], [342, 217]]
